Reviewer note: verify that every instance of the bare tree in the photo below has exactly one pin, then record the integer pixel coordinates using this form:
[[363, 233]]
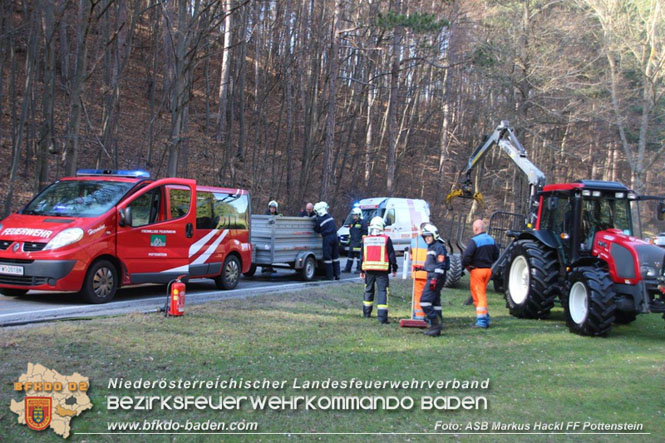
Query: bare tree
[[632, 38]]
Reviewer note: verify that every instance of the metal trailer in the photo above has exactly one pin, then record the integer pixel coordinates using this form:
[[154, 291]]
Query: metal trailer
[[285, 242]]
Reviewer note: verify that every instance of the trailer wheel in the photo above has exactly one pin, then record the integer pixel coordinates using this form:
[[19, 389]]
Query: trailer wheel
[[589, 304], [455, 272], [250, 272], [530, 280], [101, 282], [624, 317], [309, 269], [230, 275], [11, 292]]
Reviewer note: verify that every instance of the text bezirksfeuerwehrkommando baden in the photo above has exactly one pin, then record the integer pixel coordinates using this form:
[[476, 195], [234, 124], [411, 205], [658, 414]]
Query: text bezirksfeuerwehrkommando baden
[[239, 383]]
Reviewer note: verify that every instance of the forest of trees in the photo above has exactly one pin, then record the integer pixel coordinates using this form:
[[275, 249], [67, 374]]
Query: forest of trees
[[301, 100]]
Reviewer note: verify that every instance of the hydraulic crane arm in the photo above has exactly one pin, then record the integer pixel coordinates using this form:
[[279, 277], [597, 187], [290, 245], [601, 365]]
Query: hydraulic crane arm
[[505, 138]]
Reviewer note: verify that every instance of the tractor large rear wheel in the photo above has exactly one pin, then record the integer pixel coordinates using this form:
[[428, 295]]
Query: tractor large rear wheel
[[589, 304], [530, 280], [455, 272]]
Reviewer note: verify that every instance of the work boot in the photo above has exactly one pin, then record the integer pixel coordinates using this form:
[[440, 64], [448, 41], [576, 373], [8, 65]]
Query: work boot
[[469, 301], [482, 322], [434, 329], [384, 322], [367, 311]]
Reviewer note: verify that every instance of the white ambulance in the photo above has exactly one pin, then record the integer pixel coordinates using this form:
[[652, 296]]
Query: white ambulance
[[402, 218]]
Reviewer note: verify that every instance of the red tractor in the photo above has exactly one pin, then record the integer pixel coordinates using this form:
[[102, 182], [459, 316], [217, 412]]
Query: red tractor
[[579, 245]]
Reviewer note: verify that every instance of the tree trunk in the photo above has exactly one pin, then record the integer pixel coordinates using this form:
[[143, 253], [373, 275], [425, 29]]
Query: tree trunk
[[392, 104], [333, 71], [85, 13], [19, 126], [46, 130]]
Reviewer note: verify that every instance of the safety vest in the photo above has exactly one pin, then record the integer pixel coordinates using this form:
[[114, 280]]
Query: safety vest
[[375, 253]]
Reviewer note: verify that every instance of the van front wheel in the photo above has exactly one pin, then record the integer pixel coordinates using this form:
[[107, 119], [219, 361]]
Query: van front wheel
[[101, 283]]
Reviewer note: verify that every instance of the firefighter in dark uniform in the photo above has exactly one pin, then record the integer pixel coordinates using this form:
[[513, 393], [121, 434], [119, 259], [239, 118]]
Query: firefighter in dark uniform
[[436, 264], [357, 231], [377, 260], [325, 225]]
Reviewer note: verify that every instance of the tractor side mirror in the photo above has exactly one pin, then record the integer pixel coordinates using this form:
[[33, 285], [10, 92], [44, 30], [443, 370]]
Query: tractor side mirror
[[125, 217], [661, 210]]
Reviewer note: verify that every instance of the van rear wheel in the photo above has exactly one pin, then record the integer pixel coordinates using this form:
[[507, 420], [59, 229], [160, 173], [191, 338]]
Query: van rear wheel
[[230, 275], [101, 282]]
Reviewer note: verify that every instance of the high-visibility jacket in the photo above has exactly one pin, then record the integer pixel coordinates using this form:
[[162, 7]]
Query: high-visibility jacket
[[375, 253]]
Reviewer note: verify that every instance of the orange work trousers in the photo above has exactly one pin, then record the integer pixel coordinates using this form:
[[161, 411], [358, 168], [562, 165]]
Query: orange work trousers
[[480, 277]]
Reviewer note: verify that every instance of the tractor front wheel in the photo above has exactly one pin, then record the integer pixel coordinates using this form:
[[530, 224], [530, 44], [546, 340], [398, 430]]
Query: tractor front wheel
[[589, 304]]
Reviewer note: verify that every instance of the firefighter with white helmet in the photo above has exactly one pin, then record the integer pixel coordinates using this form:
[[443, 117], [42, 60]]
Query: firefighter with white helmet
[[357, 230], [325, 225], [273, 208], [377, 260], [436, 264]]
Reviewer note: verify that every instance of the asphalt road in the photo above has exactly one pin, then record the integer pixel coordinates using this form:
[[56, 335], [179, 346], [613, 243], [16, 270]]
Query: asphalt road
[[37, 306]]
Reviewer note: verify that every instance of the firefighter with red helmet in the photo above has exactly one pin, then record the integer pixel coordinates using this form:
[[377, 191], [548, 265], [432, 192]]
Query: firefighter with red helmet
[[377, 260], [357, 231], [436, 265], [325, 225]]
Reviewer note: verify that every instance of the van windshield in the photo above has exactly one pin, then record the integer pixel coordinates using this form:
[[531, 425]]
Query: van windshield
[[368, 214], [77, 198]]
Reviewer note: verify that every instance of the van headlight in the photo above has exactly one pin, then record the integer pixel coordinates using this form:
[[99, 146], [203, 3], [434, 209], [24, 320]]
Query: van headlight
[[64, 238]]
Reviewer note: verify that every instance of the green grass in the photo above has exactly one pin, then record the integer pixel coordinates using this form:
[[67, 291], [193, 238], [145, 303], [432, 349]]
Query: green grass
[[538, 371]]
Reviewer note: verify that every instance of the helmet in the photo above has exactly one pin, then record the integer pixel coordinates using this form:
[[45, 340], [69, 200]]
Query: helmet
[[376, 226], [273, 203], [321, 208], [429, 229], [357, 211]]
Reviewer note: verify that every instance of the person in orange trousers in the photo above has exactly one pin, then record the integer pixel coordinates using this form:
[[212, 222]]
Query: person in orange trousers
[[478, 257]]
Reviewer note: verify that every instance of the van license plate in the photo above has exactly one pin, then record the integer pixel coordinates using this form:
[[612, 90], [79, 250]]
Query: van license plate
[[13, 270]]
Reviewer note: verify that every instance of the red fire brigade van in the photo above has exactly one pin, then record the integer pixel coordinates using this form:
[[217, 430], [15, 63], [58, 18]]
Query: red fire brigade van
[[104, 229]]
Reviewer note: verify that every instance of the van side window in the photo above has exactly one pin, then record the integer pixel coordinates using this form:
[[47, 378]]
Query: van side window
[[390, 217], [231, 211], [147, 208], [179, 200], [205, 215]]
